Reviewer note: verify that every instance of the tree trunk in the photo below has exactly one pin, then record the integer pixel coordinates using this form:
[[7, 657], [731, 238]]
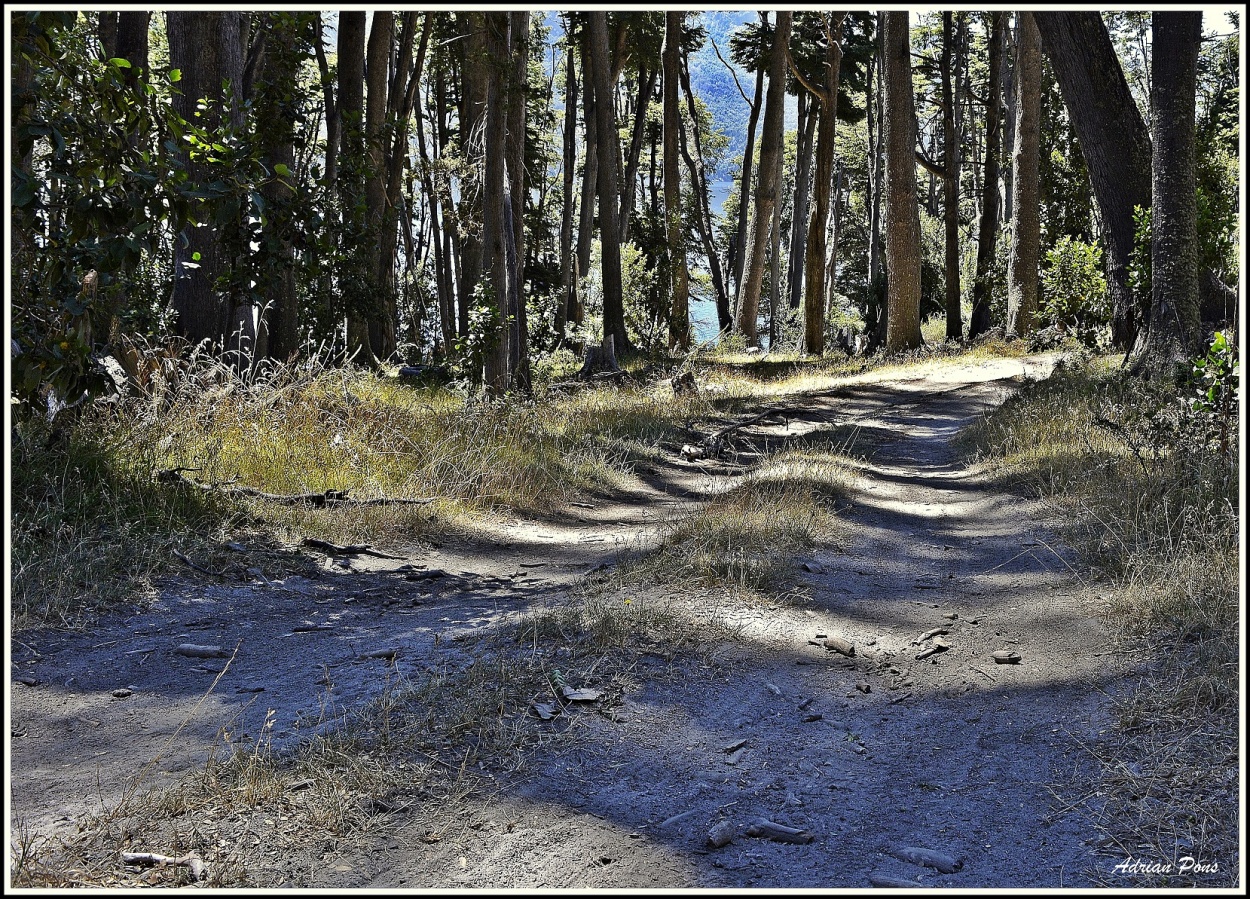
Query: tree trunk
[[600, 65], [802, 199], [590, 167], [902, 214], [987, 233], [1172, 332], [472, 112], [703, 214], [568, 283], [206, 47], [517, 98], [814, 298], [1114, 141], [353, 274], [376, 324], [744, 186], [1009, 121], [771, 144], [331, 110], [646, 87], [494, 180], [679, 320], [273, 84], [1022, 269], [950, 184]]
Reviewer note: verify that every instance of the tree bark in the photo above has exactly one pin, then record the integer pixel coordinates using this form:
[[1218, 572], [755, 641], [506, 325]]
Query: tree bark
[[1022, 268], [1171, 335], [590, 167], [1114, 141], [771, 144], [806, 140], [600, 65], [350, 179], [517, 98], [902, 214], [679, 319], [374, 331], [987, 233], [816, 259]]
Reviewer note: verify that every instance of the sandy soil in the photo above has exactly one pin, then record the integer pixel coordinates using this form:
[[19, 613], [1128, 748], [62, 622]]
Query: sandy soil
[[867, 755]]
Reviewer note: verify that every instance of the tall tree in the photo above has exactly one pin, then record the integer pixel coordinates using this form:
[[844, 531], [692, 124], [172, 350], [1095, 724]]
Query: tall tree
[[987, 230], [517, 92], [600, 66], [1171, 334], [494, 181], [744, 181], [1114, 142], [902, 213], [1022, 267], [950, 181], [771, 145], [826, 95], [207, 48], [679, 319], [275, 109], [372, 329], [353, 274], [566, 307]]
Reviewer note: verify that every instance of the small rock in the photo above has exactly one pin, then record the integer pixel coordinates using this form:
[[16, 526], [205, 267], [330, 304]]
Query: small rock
[[721, 834], [863, 687], [122, 693], [813, 567], [1005, 657], [814, 716]]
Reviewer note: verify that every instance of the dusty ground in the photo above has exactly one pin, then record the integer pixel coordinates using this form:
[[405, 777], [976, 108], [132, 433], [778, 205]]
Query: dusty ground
[[951, 753]]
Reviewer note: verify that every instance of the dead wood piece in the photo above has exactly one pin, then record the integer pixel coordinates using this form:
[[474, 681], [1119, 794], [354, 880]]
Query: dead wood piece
[[388, 652], [325, 499], [932, 650], [928, 634], [154, 858], [888, 880], [837, 644], [929, 858], [600, 358], [351, 549], [721, 834], [200, 568], [195, 651], [684, 383], [780, 832]]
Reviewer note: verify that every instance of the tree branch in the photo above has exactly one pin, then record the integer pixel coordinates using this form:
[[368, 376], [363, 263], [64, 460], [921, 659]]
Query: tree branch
[[929, 165], [734, 73]]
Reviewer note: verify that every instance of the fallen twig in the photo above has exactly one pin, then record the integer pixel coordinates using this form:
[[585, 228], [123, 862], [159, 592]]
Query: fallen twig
[[322, 500], [200, 568], [153, 858], [352, 549]]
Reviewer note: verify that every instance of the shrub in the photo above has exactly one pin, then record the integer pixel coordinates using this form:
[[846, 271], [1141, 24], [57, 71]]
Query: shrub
[[1074, 292]]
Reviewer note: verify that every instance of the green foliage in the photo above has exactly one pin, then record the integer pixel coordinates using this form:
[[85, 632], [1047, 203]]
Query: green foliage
[[1074, 292], [486, 328], [89, 205], [1218, 374]]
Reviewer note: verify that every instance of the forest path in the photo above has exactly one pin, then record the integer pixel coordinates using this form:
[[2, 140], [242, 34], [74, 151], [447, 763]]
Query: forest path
[[951, 752]]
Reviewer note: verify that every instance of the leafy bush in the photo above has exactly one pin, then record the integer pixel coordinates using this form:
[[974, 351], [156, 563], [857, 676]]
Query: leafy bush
[[1074, 292]]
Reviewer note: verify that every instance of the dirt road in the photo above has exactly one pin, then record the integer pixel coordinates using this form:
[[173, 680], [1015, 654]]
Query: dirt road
[[903, 745]]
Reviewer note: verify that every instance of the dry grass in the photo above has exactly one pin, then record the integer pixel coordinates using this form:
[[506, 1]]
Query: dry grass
[[1155, 512]]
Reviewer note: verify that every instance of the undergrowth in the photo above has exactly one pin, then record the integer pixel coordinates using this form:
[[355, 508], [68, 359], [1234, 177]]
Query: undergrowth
[[1145, 481]]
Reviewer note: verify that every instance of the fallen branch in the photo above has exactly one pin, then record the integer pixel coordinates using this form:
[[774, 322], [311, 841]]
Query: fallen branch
[[326, 499], [779, 832], [351, 549], [200, 568], [153, 858]]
